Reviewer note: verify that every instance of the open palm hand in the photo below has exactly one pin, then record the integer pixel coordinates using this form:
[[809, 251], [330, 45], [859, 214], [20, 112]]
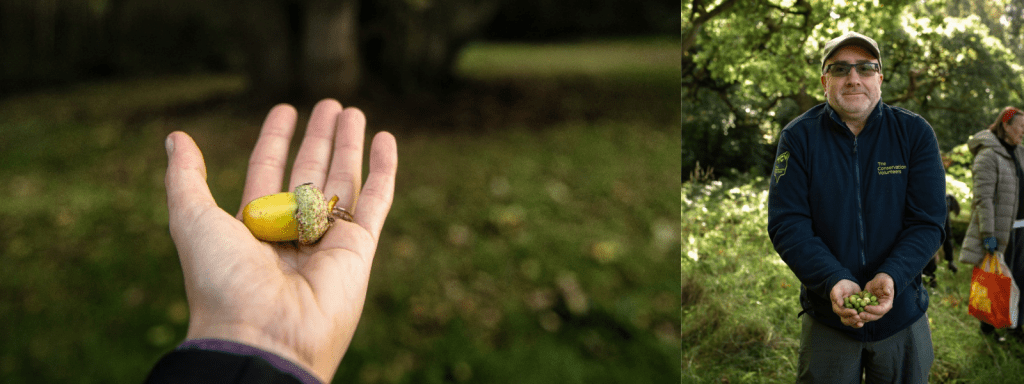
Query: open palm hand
[[300, 302]]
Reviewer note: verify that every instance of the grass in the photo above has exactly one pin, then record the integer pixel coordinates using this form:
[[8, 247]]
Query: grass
[[740, 300], [531, 239], [594, 58]]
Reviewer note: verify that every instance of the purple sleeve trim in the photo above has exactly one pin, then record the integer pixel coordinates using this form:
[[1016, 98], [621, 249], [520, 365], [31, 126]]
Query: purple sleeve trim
[[248, 350]]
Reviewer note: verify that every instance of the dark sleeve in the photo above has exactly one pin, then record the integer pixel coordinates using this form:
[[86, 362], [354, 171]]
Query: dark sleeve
[[220, 361], [924, 212], [789, 222]]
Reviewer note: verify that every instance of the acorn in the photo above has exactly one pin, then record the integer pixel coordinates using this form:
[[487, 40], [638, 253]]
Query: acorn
[[303, 215], [860, 300]]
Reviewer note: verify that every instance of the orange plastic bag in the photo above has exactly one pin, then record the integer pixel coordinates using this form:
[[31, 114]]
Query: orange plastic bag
[[994, 295]]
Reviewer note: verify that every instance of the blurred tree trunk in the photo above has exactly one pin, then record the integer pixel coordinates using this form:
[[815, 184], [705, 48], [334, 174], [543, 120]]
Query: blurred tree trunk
[[289, 49], [329, 63], [412, 45], [268, 35], [300, 49], [320, 48]]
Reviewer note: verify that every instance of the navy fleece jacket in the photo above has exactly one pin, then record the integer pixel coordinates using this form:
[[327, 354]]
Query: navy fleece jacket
[[849, 207]]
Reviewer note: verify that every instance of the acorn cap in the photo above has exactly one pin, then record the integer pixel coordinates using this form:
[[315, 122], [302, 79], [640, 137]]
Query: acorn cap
[[312, 213]]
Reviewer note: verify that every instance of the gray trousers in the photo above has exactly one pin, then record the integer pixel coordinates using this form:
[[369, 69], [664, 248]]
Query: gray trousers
[[829, 356]]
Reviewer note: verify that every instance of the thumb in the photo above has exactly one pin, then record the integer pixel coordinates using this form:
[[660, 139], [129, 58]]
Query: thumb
[[185, 181]]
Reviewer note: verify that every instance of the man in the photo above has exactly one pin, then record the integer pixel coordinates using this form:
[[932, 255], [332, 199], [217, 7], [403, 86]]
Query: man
[[856, 202]]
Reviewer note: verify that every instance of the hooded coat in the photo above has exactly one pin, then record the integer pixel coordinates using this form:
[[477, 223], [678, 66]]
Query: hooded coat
[[995, 195]]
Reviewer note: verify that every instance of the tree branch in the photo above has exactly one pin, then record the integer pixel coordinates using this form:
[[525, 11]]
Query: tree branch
[[690, 34], [951, 109], [911, 88]]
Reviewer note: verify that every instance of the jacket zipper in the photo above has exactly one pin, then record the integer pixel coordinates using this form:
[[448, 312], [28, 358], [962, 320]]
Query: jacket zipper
[[860, 210]]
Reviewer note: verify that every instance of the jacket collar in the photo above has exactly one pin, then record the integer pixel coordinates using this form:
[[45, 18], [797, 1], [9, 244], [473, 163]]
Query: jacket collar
[[873, 118]]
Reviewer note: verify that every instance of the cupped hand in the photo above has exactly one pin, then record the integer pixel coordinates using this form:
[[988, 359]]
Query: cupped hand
[[884, 288], [300, 302], [849, 316]]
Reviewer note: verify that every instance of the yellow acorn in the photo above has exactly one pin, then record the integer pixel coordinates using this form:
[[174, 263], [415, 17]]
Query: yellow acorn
[[303, 215]]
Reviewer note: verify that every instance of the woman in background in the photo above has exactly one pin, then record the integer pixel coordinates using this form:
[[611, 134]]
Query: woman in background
[[998, 182]]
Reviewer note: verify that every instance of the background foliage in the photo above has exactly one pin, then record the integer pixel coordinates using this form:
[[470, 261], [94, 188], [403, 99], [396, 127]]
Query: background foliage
[[751, 66]]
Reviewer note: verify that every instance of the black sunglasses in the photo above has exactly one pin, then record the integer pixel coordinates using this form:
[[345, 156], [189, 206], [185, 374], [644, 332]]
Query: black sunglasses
[[842, 69]]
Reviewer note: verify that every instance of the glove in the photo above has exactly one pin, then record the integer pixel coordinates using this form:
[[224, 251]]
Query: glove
[[990, 244]]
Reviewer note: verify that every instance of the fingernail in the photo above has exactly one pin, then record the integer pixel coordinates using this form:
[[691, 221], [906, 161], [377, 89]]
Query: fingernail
[[169, 144]]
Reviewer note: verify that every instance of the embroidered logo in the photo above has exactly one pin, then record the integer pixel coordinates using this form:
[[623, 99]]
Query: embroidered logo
[[780, 165], [886, 169]]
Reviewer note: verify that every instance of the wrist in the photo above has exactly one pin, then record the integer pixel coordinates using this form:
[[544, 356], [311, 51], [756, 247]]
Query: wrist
[[226, 346], [243, 335]]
